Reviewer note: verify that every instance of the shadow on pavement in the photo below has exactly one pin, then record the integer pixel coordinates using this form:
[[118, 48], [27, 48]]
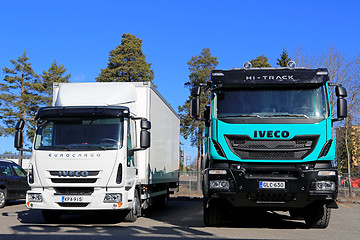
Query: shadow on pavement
[[183, 218]]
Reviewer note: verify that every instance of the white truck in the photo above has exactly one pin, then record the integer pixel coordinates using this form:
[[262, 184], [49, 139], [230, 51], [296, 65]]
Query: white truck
[[93, 150]]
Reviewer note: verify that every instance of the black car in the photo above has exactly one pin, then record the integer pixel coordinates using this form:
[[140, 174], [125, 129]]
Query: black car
[[13, 182]]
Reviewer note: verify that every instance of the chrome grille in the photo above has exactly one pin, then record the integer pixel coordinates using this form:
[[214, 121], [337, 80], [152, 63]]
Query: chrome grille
[[73, 180]]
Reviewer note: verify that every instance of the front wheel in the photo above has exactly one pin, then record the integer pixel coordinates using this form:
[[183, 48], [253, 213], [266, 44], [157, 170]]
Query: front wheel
[[213, 213], [318, 216], [135, 211]]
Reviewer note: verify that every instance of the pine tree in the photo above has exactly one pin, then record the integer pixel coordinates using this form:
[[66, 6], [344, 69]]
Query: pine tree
[[127, 63], [260, 61], [19, 97], [54, 74], [200, 68], [284, 59]]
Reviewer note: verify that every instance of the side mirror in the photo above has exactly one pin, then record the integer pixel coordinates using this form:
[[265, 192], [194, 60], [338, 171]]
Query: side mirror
[[341, 103], [144, 139], [20, 124], [341, 108], [18, 141], [340, 91], [195, 107], [207, 114], [145, 124], [195, 92]]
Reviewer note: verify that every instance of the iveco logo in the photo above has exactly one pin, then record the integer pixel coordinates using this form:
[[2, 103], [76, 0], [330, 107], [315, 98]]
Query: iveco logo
[[271, 134], [73, 173]]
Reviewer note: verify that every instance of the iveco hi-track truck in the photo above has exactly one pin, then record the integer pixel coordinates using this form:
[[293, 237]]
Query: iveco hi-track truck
[[92, 150], [269, 142]]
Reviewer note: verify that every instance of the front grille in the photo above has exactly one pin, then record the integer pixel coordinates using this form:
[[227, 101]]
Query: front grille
[[73, 190], [90, 173], [73, 204], [73, 180], [296, 148]]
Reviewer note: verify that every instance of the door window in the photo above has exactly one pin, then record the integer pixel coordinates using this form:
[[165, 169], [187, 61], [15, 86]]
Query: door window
[[5, 169], [19, 171], [130, 159]]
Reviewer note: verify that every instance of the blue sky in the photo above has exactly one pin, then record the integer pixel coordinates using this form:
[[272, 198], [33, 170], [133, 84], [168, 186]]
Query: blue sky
[[80, 34]]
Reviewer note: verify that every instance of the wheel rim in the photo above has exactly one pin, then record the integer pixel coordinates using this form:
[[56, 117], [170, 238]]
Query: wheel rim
[[2, 198]]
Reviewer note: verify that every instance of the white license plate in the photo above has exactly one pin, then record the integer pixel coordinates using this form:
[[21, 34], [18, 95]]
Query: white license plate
[[271, 185], [71, 199]]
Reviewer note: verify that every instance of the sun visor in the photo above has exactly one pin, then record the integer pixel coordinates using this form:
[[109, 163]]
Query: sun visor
[[276, 77]]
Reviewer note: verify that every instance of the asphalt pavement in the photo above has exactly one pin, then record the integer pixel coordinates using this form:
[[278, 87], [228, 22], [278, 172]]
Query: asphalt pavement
[[182, 219]]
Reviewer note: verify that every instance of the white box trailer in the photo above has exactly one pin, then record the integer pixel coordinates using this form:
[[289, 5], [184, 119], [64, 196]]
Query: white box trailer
[[103, 146]]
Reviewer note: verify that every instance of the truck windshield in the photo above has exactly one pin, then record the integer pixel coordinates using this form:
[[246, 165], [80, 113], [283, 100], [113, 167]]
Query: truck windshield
[[272, 103], [80, 134]]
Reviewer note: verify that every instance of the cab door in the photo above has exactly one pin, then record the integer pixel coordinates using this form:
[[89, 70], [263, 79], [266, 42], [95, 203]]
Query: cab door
[[131, 166], [22, 184], [9, 179]]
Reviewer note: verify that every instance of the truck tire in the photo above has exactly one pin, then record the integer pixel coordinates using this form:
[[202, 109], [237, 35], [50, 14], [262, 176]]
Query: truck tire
[[213, 214], [318, 216], [2, 197], [162, 201], [51, 216], [135, 211]]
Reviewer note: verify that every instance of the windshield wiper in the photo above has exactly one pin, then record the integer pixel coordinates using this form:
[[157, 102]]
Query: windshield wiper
[[87, 147], [55, 147], [242, 116], [288, 115]]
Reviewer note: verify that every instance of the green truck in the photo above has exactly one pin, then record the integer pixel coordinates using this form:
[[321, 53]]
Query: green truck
[[269, 142]]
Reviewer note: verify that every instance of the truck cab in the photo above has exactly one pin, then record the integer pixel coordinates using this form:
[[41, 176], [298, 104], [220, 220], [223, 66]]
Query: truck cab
[[269, 143]]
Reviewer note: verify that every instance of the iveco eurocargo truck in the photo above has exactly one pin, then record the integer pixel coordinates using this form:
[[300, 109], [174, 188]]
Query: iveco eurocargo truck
[[103, 146]]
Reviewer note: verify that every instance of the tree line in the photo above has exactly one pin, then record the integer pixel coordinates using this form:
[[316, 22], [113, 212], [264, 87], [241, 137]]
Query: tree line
[[22, 91]]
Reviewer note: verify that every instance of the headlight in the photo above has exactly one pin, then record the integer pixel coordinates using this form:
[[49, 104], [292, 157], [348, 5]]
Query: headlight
[[113, 198], [325, 186], [219, 184], [35, 197]]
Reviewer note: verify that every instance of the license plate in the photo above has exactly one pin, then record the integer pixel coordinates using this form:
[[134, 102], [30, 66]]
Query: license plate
[[271, 185], [71, 199]]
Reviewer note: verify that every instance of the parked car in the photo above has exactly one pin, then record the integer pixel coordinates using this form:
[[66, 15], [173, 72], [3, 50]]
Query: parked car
[[13, 182]]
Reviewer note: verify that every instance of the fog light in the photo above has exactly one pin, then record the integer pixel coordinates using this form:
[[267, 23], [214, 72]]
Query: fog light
[[325, 186], [113, 198], [326, 173], [219, 184], [217, 172], [35, 197]]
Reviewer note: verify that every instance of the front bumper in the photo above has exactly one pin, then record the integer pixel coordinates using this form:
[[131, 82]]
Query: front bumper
[[245, 190], [95, 201]]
